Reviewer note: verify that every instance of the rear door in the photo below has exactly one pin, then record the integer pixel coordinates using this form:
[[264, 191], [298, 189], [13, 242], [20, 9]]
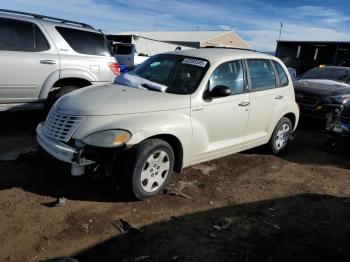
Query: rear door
[[84, 51], [27, 58], [266, 100]]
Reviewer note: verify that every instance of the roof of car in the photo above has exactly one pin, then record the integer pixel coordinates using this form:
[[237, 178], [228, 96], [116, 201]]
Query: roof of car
[[217, 53]]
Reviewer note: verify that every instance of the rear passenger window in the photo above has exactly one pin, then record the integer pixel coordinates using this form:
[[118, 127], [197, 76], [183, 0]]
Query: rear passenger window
[[85, 42], [262, 75], [281, 74], [229, 74], [18, 35]]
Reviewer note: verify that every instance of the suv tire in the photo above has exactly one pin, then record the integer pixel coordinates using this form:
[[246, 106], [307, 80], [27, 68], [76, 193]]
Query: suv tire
[[280, 136], [54, 95], [152, 163]]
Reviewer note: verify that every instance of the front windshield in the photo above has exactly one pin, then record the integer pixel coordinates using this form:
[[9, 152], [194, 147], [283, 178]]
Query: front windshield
[[329, 73], [174, 74]]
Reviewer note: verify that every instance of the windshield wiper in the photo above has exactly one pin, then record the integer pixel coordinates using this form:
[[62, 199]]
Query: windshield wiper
[[150, 87]]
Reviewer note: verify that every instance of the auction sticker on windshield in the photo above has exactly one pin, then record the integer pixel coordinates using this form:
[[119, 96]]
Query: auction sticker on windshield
[[196, 62]]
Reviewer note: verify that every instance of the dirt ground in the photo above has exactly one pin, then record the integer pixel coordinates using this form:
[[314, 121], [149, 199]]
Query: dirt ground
[[245, 207]]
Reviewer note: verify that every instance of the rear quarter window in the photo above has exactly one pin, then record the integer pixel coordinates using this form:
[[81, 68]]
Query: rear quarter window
[[282, 75], [85, 42]]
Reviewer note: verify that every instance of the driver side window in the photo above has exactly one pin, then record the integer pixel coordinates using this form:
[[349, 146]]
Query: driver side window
[[229, 74]]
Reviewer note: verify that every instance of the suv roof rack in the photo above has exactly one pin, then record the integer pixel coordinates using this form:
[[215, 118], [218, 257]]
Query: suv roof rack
[[44, 17], [231, 47]]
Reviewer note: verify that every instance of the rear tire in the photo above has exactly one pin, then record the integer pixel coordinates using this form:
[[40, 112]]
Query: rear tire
[[148, 168], [280, 136]]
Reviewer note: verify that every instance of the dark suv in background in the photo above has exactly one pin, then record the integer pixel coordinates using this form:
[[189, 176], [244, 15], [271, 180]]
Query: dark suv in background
[[323, 89]]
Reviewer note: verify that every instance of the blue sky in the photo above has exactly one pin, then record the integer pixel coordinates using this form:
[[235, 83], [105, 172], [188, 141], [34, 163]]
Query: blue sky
[[257, 22]]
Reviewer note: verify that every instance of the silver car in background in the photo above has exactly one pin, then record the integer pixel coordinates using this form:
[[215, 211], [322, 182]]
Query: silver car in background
[[43, 58]]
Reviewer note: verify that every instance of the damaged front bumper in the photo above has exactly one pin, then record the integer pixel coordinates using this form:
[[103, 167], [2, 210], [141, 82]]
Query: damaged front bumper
[[63, 152]]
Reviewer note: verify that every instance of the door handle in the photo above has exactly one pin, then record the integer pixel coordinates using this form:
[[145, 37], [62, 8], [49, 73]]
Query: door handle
[[198, 108], [279, 97], [244, 104], [48, 62]]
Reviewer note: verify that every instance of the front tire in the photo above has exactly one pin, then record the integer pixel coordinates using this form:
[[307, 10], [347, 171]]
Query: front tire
[[280, 136], [150, 168]]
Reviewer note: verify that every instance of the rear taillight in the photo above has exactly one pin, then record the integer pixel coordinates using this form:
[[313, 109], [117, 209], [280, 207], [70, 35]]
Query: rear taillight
[[115, 68]]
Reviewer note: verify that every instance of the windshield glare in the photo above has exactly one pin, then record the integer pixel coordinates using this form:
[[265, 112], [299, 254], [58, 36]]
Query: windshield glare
[[336, 74], [179, 74]]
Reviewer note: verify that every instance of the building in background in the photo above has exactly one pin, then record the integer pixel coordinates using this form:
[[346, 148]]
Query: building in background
[[148, 43], [304, 55], [193, 39]]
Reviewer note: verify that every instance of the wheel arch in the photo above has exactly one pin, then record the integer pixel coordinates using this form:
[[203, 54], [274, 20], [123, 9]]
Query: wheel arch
[[176, 145], [58, 78], [292, 117]]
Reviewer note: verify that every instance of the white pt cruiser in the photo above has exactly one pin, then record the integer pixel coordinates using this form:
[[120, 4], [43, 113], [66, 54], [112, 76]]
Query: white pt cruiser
[[175, 110]]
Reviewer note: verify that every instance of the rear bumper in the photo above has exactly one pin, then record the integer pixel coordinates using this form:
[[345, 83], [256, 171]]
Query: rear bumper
[[60, 150]]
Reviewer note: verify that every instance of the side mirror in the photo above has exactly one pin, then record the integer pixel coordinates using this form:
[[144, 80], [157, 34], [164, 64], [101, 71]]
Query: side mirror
[[219, 91]]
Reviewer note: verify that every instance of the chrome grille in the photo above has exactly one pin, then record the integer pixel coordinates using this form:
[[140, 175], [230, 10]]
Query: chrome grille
[[60, 126]]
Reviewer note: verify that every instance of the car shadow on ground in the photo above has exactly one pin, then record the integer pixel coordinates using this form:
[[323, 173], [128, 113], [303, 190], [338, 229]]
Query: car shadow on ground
[[40, 173], [305, 227], [18, 122], [44, 175]]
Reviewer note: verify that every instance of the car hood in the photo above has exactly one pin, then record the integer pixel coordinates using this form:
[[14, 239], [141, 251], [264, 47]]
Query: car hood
[[321, 87], [117, 100]]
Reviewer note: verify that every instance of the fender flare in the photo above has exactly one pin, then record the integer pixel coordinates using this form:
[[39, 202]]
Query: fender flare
[[61, 74]]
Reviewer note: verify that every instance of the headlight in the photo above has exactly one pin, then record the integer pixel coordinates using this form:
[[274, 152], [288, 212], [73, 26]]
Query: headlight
[[339, 99], [108, 138]]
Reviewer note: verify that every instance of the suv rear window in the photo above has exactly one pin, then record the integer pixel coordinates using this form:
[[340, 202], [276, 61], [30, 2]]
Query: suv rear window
[[16, 35], [85, 42]]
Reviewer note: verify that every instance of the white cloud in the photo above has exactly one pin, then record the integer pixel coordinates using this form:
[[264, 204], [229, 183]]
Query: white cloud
[[225, 27]]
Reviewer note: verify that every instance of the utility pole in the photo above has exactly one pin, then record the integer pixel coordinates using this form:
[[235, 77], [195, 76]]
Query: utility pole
[[156, 23], [281, 26]]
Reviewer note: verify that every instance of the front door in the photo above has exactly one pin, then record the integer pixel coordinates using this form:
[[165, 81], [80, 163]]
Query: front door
[[26, 60], [219, 123]]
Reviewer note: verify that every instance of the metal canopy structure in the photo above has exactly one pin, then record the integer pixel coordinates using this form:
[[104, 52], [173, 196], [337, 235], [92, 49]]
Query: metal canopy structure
[[304, 55]]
